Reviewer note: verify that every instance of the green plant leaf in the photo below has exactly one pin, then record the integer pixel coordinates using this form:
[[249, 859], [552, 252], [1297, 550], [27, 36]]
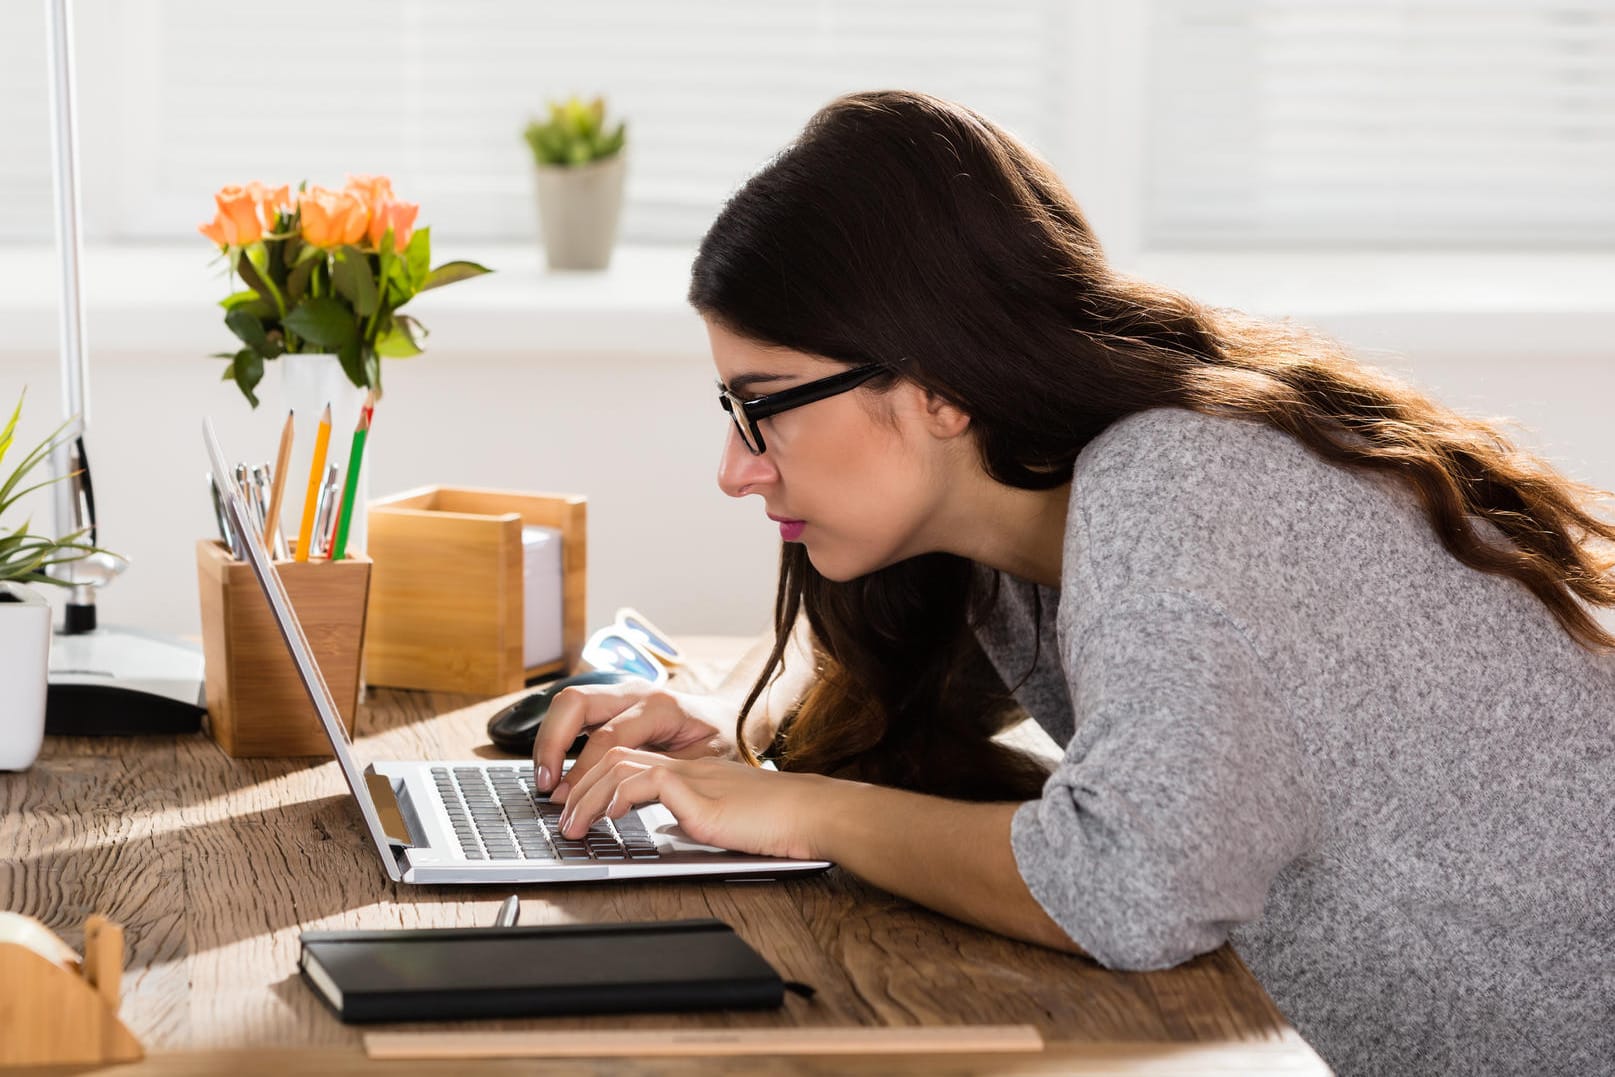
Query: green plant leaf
[[449, 272], [251, 277], [418, 257], [251, 333], [356, 281], [351, 356], [9, 432], [325, 322], [398, 341], [248, 371], [236, 299]]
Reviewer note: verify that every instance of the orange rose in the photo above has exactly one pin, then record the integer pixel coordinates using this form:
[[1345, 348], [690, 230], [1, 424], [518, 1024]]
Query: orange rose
[[331, 218], [270, 201], [399, 216], [237, 221], [374, 191]]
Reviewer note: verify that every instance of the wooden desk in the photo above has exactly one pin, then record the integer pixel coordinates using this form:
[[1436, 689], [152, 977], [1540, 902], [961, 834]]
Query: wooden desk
[[213, 865]]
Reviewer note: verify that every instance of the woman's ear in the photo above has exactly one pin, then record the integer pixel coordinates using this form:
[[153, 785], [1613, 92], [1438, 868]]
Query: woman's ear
[[944, 419]]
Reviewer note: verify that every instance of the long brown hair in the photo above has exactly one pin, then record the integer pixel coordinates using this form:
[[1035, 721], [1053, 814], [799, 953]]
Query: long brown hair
[[899, 227]]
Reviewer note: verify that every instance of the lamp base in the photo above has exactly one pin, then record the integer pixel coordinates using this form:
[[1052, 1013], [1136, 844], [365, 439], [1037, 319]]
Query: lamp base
[[115, 681]]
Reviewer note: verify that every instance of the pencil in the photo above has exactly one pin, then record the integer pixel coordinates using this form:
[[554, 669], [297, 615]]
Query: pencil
[[350, 487], [277, 485], [316, 472]]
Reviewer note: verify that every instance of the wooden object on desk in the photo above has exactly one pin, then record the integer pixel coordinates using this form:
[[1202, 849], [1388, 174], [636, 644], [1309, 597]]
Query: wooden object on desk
[[447, 603], [54, 1015], [618, 1043], [256, 702]]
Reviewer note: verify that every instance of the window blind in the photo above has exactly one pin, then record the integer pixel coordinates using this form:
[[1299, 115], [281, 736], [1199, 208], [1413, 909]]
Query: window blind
[[1432, 123], [436, 94]]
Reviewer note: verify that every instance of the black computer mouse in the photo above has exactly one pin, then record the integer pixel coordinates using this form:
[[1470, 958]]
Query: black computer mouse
[[515, 728]]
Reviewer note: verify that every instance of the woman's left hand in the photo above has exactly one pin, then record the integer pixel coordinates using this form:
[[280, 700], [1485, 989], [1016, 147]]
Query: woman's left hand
[[716, 801]]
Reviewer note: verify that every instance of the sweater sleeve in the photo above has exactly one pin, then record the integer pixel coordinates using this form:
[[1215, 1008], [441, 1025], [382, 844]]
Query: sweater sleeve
[[1181, 794]]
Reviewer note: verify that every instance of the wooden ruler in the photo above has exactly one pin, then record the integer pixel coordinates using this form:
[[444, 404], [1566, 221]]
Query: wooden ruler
[[611, 1043]]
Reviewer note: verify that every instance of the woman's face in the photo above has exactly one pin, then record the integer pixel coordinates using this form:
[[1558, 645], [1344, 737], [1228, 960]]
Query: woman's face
[[856, 478]]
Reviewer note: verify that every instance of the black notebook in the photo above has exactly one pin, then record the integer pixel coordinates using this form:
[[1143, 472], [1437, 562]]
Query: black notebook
[[449, 973]]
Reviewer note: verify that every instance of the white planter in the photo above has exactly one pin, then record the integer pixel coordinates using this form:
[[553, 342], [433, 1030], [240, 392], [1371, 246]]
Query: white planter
[[25, 626], [578, 210], [308, 383]]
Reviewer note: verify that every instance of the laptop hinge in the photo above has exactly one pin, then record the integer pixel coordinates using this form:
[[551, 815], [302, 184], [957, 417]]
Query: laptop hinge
[[387, 807]]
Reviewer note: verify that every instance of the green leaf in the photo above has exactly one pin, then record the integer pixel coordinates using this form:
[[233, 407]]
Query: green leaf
[[325, 322], [9, 432], [449, 272], [398, 342], [418, 257], [236, 299], [352, 359], [248, 370], [249, 275], [251, 333], [356, 281]]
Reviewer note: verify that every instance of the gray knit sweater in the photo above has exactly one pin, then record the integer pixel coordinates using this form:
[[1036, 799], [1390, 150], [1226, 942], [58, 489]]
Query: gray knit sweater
[[1293, 722]]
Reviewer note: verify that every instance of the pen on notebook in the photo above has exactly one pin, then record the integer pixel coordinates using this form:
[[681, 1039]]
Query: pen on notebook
[[277, 490], [350, 488], [508, 912], [311, 499]]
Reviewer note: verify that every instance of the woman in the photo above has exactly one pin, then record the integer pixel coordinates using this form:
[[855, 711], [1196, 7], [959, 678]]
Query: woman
[[1318, 649]]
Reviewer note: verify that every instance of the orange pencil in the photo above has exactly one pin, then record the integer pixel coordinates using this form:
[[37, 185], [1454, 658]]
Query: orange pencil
[[316, 472], [277, 489]]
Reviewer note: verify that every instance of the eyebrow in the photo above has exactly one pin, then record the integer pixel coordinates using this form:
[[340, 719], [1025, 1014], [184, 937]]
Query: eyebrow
[[742, 382]]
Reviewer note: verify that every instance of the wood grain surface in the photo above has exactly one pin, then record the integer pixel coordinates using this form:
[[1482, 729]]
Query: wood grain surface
[[213, 865]]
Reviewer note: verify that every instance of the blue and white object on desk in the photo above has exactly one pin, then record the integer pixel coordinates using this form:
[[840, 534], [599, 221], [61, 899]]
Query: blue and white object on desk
[[541, 596]]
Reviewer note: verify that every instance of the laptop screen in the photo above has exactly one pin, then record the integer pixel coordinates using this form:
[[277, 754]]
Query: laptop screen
[[291, 630]]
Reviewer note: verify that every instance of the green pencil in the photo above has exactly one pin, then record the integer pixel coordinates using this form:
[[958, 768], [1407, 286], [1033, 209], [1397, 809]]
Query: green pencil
[[351, 487]]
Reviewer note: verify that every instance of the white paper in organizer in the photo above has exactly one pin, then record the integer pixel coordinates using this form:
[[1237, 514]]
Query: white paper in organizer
[[541, 596]]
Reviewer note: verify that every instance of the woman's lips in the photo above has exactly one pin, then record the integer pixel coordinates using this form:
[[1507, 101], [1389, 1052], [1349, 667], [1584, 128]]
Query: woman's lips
[[790, 530]]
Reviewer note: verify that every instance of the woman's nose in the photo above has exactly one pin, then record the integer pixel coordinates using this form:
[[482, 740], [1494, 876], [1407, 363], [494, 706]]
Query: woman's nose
[[739, 472]]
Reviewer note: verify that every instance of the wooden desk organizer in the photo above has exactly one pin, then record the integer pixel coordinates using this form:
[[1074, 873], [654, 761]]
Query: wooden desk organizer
[[447, 602], [256, 702], [51, 1015]]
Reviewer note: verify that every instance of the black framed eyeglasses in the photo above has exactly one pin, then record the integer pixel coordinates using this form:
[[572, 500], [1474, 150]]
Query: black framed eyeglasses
[[747, 413]]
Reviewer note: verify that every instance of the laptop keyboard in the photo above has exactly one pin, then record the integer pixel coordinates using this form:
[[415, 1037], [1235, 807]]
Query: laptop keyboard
[[498, 815]]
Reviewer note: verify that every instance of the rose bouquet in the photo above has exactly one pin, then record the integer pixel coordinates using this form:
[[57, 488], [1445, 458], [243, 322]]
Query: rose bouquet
[[326, 271]]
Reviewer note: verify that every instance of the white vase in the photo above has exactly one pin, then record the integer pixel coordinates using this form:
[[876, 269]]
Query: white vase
[[578, 210], [308, 382], [25, 626]]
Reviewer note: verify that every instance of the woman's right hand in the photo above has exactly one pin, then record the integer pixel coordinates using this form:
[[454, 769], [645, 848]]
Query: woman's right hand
[[632, 714]]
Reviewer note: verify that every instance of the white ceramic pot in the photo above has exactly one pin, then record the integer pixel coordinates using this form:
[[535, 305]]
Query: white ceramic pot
[[578, 210], [25, 625], [308, 382]]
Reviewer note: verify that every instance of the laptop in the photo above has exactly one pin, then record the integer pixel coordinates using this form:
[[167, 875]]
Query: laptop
[[479, 821]]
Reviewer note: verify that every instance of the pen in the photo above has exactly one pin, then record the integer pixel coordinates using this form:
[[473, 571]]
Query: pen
[[325, 514], [351, 489], [260, 495], [218, 515], [316, 470], [277, 489], [508, 912], [243, 480]]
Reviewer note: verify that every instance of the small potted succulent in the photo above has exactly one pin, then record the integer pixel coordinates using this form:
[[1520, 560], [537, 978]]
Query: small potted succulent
[[25, 616], [580, 182]]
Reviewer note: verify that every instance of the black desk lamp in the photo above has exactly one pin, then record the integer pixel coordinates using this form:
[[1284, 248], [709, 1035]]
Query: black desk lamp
[[102, 679]]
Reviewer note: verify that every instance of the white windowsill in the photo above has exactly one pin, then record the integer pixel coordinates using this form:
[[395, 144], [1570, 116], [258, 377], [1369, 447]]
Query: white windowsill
[[163, 299]]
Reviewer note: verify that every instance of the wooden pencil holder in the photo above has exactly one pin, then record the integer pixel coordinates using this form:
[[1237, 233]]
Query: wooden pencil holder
[[447, 602], [256, 702], [55, 1014]]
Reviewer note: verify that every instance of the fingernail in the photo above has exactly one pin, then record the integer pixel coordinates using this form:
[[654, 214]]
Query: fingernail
[[560, 792], [542, 778], [566, 821]]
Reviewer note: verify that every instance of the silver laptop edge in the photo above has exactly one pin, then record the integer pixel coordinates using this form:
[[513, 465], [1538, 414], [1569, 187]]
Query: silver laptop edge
[[397, 855]]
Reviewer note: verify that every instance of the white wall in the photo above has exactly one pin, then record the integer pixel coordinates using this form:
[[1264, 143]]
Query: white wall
[[602, 385], [639, 435]]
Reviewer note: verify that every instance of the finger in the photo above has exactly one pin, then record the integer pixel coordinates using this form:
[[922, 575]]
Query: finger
[[626, 730], [572, 711], [601, 791]]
